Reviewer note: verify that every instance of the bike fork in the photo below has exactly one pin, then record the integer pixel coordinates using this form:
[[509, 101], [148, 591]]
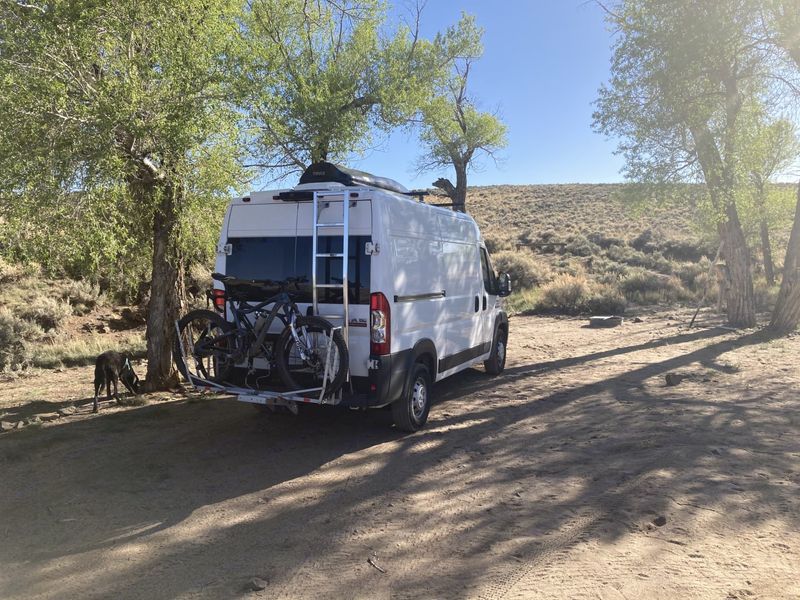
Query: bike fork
[[300, 346]]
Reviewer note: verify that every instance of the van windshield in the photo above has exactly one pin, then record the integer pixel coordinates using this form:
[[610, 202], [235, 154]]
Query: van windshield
[[278, 258]]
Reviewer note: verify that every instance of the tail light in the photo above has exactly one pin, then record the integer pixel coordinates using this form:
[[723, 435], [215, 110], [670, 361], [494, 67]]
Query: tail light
[[380, 320], [218, 298]]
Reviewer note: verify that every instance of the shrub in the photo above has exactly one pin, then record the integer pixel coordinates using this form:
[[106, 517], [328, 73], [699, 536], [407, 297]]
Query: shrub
[[645, 241], [578, 245], [81, 295], [626, 254], [645, 287], [497, 241], [765, 295], [687, 250], [48, 313], [690, 273], [14, 332], [606, 300], [712, 293], [608, 271], [524, 269], [9, 272], [566, 294], [521, 301], [604, 241]]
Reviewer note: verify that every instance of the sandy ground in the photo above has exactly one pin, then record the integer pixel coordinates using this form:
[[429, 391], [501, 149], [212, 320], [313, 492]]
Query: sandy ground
[[576, 474]]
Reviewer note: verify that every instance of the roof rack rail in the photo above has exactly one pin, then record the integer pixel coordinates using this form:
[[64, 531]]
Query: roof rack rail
[[301, 195], [419, 194]]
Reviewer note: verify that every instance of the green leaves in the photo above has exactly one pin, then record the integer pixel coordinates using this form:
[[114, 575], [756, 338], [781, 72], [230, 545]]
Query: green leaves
[[320, 80], [680, 75], [453, 131], [105, 102]]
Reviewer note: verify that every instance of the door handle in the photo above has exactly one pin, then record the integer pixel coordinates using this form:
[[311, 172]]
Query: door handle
[[484, 302], [477, 304]]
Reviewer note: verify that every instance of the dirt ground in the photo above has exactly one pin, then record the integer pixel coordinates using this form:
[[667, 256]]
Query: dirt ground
[[576, 474]]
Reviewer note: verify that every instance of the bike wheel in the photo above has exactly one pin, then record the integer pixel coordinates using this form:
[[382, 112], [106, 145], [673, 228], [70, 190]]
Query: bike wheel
[[208, 343], [321, 343]]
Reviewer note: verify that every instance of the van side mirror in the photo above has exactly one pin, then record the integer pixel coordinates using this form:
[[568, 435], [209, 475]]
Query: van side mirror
[[503, 285]]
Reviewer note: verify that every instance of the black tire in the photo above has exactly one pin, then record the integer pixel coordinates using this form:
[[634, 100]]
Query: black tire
[[209, 342], [298, 374], [410, 412], [496, 362]]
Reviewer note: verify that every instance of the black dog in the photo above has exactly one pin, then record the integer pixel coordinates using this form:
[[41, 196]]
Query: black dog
[[111, 367]]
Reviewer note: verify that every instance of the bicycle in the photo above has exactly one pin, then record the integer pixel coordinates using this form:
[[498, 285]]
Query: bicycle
[[308, 353]]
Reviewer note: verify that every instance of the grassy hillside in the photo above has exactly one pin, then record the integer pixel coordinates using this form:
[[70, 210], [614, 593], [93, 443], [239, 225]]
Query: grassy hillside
[[528, 211], [50, 323], [597, 249]]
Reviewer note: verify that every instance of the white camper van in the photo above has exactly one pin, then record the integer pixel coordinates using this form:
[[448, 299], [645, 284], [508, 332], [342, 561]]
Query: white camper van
[[417, 299]]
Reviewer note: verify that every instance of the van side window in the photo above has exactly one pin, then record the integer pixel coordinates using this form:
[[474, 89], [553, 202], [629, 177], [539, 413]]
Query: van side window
[[489, 283]]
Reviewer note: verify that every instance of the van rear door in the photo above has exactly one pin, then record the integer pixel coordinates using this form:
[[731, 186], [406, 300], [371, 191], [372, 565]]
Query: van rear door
[[271, 240]]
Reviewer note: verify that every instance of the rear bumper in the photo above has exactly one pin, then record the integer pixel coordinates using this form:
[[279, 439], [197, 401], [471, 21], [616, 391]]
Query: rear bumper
[[383, 385], [387, 377]]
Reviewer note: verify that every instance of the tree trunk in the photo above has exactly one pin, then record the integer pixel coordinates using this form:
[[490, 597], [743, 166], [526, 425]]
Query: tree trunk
[[741, 309], [165, 291], [766, 251], [787, 309], [460, 198], [766, 246]]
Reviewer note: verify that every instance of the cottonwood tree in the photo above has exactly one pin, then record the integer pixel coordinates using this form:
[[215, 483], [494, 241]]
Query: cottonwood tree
[[768, 148], [783, 27], [455, 133], [120, 100], [320, 79], [680, 75]]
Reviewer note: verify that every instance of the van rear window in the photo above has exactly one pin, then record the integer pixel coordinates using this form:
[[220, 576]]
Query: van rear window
[[278, 258]]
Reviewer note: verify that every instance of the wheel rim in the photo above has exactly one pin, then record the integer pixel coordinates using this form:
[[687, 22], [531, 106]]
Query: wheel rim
[[501, 352], [207, 363], [317, 344], [419, 399]]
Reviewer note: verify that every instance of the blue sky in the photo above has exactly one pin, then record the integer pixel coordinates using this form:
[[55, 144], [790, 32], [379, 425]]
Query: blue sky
[[542, 65]]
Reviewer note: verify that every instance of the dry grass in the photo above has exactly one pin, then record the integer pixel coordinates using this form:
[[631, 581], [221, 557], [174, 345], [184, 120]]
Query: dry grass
[[525, 212], [83, 350], [625, 250], [40, 318]]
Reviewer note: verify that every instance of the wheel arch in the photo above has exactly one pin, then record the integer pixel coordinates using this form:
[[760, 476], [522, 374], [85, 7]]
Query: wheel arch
[[424, 351], [501, 322]]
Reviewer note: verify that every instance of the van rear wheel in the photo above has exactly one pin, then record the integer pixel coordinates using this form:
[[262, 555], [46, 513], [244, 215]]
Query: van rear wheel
[[410, 412]]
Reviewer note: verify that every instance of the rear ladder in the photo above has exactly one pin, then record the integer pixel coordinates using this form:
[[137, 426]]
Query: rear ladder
[[327, 199]]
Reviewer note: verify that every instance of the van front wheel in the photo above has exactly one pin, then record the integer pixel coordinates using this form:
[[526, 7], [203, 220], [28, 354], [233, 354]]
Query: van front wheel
[[410, 412], [496, 362]]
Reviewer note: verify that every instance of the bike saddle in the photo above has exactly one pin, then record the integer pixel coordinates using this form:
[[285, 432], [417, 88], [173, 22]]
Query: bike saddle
[[230, 280]]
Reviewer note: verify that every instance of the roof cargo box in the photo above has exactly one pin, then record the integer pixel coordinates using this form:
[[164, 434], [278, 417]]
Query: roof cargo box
[[325, 172]]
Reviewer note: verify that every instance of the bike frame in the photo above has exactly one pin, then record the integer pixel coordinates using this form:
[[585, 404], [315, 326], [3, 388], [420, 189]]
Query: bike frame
[[282, 301]]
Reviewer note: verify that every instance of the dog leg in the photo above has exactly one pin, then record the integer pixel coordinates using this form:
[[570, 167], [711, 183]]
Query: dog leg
[[98, 384]]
